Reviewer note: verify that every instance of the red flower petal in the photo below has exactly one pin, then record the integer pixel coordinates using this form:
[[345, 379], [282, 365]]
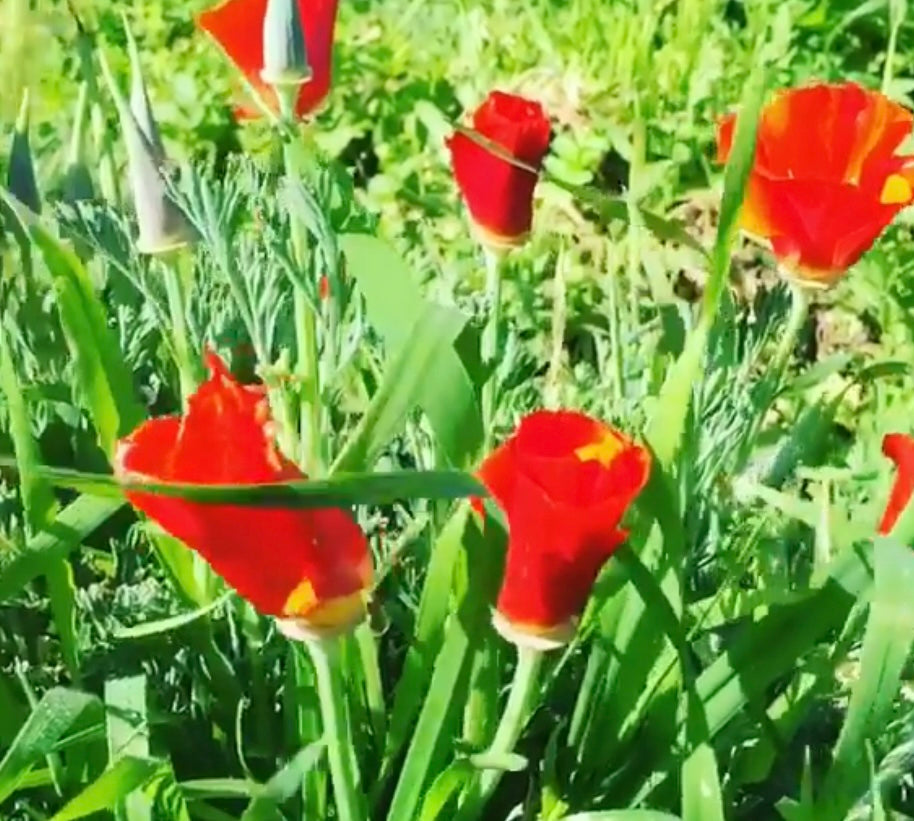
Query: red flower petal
[[237, 25], [499, 195], [825, 181], [285, 562], [900, 449], [564, 481]]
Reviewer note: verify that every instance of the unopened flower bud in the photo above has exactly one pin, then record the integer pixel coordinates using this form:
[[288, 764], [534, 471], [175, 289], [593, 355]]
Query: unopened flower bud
[[21, 174], [162, 224], [77, 181], [285, 55]]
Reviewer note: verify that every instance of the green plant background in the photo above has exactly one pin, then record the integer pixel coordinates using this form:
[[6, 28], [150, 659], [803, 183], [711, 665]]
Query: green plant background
[[205, 712]]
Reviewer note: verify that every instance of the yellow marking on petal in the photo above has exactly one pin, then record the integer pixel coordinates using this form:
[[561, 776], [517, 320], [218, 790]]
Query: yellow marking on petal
[[896, 191], [301, 600], [604, 450]]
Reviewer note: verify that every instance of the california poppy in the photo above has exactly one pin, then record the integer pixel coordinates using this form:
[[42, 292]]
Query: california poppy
[[564, 481], [237, 26], [311, 566], [826, 181], [499, 195], [900, 449]]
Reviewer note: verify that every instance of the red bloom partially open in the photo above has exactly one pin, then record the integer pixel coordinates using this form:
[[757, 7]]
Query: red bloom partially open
[[499, 195], [310, 565], [826, 181], [237, 26], [564, 481], [900, 449]]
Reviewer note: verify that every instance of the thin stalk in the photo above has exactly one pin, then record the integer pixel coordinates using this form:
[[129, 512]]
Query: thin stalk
[[897, 9], [184, 357], [325, 653], [552, 392], [799, 310], [307, 363], [489, 342], [513, 720]]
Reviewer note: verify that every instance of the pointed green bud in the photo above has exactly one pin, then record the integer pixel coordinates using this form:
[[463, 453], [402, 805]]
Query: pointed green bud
[[20, 178], [163, 225], [285, 56], [139, 96], [77, 181]]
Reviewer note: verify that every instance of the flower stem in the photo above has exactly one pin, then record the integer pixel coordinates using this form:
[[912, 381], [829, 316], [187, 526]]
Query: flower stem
[[307, 365], [799, 310], [174, 292], [489, 342], [325, 653], [513, 720], [552, 390]]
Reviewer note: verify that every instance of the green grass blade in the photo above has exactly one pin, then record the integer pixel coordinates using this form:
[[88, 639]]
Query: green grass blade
[[128, 735], [886, 644], [667, 422], [154, 628], [72, 525], [412, 374], [103, 378], [621, 815], [476, 585], [40, 507], [283, 785], [110, 788], [35, 491], [342, 490], [702, 799], [53, 717], [394, 303], [427, 634]]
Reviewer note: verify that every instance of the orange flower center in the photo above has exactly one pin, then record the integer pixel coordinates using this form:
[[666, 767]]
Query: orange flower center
[[896, 190], [604, 450]]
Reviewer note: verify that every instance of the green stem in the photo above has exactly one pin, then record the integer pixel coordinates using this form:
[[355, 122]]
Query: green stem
[[513, 720], [307, 365], [552, 391], [489, 342], [325, 653], [799, 310], [176, 308]]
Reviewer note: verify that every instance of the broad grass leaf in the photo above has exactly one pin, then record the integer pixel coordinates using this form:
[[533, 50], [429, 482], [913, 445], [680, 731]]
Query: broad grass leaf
[[127, 733], [394, 304], [35, 492], [73, 524], [409, 376], [476, 586], [103, 378], [123, 777], [622, 815], [667, 422], [427, 634], [56, 714], [341, 490], [886, 645], [283, 785]]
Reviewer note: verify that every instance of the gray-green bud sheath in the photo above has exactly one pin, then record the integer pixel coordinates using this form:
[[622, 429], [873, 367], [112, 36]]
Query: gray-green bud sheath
[[285, 55]]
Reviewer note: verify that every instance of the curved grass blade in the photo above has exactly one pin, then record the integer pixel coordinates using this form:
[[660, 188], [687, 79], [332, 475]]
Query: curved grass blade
[[394, 303], [341, 490], [667, 422], [110, 788], [55, 715]]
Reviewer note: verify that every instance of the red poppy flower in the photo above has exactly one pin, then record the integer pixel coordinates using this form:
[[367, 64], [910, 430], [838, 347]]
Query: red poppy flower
[[900, 449], [826, 181], [237, 26], [499, 195], [309, 565], [564, 481]]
